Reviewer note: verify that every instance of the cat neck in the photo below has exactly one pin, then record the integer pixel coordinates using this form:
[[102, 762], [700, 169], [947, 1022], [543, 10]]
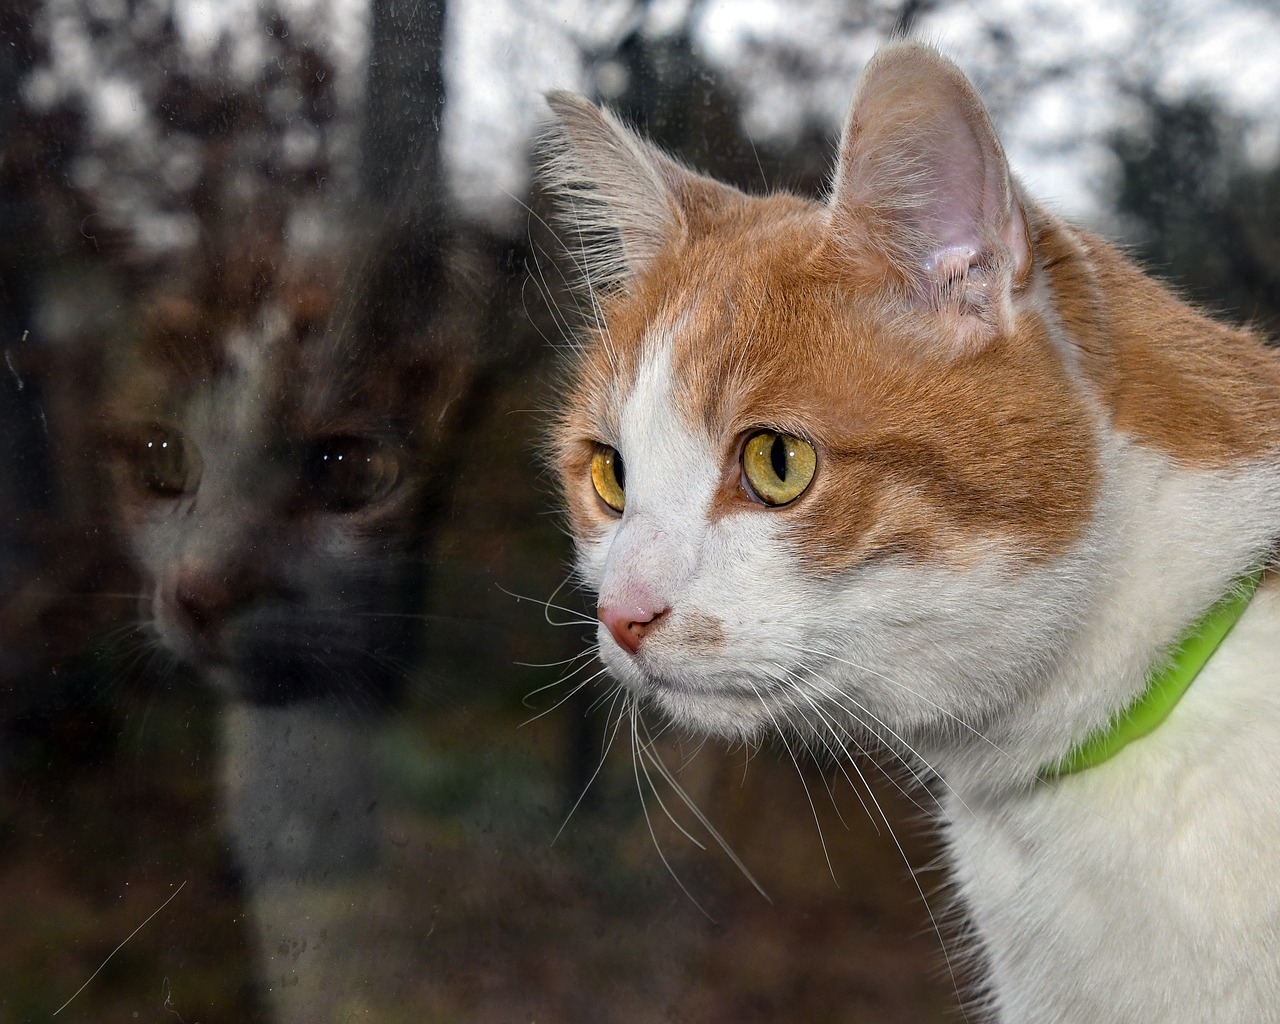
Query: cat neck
[[1167, 377], [1166, 685], [1189, 416]]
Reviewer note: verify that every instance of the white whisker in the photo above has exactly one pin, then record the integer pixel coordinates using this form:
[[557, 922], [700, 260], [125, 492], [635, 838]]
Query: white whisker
[[638, 770], [702, 819], [619, 693]]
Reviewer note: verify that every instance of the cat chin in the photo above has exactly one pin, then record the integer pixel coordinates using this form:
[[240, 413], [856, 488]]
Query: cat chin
[[276, 657], [729, 710], [728, 716], [358, 693], [279, 675]]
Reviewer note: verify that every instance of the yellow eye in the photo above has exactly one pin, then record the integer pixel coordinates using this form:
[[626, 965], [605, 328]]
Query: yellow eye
[[778, 467], [608, 475]]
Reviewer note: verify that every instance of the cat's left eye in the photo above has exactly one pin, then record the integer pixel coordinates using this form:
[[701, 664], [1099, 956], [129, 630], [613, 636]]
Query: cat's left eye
[[609, 477], [167, 465], [348, 473], [778, 467]]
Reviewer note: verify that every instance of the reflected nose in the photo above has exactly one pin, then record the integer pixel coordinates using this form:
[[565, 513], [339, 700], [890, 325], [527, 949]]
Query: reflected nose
[[207, 599], [629, 625]]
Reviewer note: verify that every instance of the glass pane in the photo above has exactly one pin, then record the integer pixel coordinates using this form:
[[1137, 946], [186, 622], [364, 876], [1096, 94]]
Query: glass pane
[[300, 713]]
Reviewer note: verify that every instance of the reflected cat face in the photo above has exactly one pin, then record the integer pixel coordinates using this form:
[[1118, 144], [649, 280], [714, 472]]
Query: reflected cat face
[[272, 482]]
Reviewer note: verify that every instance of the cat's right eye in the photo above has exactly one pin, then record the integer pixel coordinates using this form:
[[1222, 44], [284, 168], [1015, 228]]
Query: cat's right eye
[[609, 477], [777, 467], [347, 473], [167, 465]]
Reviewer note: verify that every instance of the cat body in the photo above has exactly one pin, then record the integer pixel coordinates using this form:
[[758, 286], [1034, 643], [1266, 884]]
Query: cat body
[[922, 461]]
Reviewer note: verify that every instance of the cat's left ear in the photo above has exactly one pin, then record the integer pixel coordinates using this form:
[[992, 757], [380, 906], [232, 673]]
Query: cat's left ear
[[622, 199], [923, 199]]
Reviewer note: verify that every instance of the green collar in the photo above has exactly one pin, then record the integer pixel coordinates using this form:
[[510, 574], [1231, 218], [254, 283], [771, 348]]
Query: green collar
[[1167, 685]]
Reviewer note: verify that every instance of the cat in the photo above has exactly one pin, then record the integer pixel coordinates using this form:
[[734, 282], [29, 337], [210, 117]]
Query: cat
[[921, 461], [273, 482], [278, 450]]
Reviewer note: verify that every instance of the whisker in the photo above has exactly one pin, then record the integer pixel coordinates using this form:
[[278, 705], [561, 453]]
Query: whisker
[[619, 692], [838, 699], [844, 735], [833, 752], [578, 618], [781, 733], [648, 756], [554, 664], [924, 698], [637, 771], [701, 817], [915, 881], [565, 699]]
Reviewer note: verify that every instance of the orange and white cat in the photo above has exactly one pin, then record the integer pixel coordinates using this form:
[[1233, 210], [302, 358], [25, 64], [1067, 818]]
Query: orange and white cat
[[925, 461]]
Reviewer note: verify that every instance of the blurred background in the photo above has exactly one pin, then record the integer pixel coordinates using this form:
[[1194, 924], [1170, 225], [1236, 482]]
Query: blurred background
[[329, 203]]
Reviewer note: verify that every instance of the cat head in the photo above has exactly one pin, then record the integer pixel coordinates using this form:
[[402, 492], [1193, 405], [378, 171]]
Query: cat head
[[822, 460], [276, 461]]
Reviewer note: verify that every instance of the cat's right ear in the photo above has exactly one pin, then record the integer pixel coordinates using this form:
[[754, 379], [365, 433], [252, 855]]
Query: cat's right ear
[[621, 199], [923, 199]]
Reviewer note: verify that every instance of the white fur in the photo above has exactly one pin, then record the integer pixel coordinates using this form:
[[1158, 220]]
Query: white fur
[[1141, 890], [1145, 889]]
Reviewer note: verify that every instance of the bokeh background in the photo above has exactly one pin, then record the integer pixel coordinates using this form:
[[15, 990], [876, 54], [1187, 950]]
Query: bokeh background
[[530, 869]]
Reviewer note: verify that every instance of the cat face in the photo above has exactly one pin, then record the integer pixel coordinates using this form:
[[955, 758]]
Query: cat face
[[824, 462], [271, 479]]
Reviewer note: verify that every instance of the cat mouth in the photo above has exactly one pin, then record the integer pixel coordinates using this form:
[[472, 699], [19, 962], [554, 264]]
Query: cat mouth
[[652, 682], [653, 674], [734, 710]]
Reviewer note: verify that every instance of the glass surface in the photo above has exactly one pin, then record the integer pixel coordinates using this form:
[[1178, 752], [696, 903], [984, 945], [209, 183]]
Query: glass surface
[[298, 716]]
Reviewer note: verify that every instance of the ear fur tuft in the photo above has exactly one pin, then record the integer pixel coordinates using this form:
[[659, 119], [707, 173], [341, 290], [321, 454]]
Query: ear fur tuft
[[622, 199], [923, 198], [614, 191]]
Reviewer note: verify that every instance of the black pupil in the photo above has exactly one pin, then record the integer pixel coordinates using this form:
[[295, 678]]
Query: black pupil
[[342, 472], [778, 456], [619, 472]]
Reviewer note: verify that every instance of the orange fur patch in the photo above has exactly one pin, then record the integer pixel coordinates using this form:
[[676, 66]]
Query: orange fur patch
[[1171, 378], [919, 454]]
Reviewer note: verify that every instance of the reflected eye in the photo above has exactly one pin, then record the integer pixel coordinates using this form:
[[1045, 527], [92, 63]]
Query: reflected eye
[[167, 466], [609, 477], [778, 467], [348, 473]]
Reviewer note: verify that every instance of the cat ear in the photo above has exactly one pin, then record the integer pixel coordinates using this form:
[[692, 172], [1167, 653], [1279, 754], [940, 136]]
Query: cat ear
[[923, 197], [622, 199]]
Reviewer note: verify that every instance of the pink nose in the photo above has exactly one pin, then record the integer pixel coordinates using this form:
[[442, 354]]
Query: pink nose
[[629, 625]]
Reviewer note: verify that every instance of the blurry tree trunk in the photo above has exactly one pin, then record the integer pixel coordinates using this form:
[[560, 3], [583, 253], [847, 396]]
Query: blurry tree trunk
[[26, 475], [405, 99], [25, 485], [401, 181]]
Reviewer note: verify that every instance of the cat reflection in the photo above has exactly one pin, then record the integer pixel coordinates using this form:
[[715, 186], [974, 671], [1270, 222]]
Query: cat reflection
[[272, 489], [273, 469]]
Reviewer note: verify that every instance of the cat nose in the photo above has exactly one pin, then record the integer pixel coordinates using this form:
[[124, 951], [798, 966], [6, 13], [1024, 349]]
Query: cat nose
[[206, 599], [629, 625]]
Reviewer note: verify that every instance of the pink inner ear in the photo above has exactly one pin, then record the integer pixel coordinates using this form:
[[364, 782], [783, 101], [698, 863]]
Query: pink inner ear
[[921, 158], [951, 194]]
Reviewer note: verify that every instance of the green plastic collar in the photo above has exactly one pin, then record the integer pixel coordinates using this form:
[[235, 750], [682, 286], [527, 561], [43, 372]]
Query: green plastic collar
[[1166, 686]]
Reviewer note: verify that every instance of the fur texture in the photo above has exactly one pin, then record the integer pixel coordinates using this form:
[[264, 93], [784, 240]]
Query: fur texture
[[1035, 468]]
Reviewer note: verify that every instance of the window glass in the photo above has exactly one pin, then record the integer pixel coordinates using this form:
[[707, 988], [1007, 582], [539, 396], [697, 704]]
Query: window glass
[[300, 718]]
